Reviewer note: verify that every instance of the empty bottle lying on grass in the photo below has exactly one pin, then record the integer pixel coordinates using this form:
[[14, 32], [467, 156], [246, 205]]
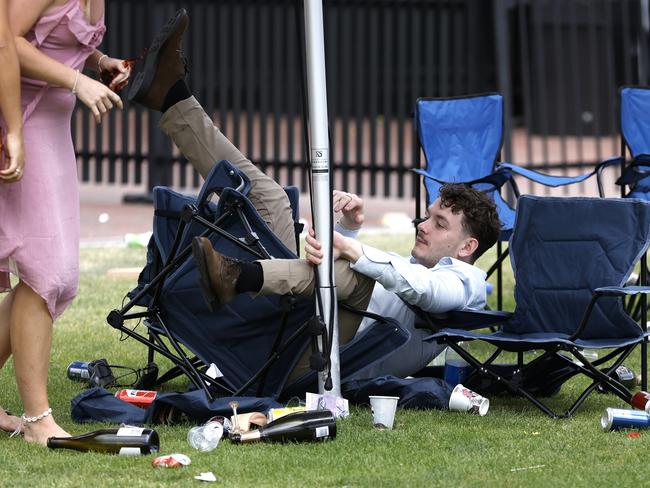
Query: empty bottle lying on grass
[[319, 425], [125, 441]]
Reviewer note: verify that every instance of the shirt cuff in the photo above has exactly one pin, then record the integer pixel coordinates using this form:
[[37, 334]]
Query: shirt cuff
[[372, 262], [344, 231]]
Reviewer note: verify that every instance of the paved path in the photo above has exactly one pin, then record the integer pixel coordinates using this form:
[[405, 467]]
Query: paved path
[[107, 222]]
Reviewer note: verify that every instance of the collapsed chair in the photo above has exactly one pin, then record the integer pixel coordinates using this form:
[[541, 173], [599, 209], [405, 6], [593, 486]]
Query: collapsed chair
[[571, 258], [250, 346]]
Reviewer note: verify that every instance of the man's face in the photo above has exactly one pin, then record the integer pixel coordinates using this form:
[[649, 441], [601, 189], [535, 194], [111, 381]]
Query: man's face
[[440, 235]]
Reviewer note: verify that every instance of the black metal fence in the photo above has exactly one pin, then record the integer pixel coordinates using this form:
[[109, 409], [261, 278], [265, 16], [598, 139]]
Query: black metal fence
[[558, 64]]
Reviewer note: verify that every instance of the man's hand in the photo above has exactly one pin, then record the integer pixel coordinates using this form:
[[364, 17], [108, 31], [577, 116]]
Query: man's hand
[[342, 247], [351, 208]]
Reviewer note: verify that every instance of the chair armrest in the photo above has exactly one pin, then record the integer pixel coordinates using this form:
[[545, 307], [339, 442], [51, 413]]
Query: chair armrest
[[619, 291], [606, 291], [543, 178], [463, 319], [635, 171], [496, 179]]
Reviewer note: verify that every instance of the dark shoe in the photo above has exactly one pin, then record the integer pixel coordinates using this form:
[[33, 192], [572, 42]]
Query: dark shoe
[[164, 64], [218, 273]]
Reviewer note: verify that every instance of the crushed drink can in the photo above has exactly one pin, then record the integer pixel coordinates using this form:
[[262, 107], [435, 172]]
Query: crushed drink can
[[79, 371], [175, 460], [139, 398], [618, 418]]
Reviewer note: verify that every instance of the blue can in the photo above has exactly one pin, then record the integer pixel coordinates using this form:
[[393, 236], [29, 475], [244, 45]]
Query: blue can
[[79, 371], [456, 372], [618, 418]]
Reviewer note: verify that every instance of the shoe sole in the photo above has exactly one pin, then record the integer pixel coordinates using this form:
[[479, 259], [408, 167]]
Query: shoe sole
[[143, 80], [204, 278]]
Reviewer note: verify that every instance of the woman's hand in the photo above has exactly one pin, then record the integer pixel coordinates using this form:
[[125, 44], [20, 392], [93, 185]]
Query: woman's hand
[[99, 98], [15, 151], [114, 72], [351, 208]]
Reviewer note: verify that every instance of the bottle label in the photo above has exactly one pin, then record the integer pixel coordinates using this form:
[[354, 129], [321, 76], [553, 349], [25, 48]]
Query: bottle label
[[130, 451], [128, 431], [322, 432]]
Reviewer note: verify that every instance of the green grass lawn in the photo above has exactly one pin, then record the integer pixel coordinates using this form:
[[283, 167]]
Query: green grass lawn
[[514, 445]]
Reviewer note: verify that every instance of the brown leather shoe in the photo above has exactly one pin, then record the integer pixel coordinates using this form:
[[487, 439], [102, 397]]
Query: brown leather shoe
[[218, 273], [164, 64]]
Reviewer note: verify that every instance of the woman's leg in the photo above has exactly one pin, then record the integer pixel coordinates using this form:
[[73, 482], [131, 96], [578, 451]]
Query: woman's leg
[[8, 423], [31, 340]]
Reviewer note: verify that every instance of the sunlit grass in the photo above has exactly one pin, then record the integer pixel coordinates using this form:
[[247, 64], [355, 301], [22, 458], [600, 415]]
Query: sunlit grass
[[514, 445]]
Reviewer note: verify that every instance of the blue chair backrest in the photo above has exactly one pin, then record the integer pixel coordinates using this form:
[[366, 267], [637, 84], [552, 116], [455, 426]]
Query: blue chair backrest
[[461, 139], [635, 128], [564, 248]]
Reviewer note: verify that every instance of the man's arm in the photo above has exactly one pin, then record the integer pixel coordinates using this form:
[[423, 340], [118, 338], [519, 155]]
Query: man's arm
[[433, 290]]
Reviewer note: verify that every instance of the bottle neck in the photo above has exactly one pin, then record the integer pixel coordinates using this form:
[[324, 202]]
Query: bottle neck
[[251, 436]]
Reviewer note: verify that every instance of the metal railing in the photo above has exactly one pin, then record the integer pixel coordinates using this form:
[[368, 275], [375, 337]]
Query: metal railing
[[558, 64]]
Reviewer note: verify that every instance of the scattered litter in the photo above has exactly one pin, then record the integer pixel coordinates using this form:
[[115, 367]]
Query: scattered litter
[[529, 467], [103, 218], [175, 460], [634, 434], [535, 433], [335, 404], [209, 476]]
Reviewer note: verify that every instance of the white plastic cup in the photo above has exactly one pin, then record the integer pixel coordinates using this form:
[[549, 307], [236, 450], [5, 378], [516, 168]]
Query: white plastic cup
[[465, 400], [383, 411]]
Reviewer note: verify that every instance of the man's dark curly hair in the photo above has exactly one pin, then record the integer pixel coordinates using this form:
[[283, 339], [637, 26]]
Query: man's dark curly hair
[[480, 217]]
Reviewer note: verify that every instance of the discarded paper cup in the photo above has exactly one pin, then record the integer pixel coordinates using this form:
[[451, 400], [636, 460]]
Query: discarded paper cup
[[465, 400], [383, 411]]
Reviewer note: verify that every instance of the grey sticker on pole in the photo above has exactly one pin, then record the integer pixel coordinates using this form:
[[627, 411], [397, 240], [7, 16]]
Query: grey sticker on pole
[[320, 160]]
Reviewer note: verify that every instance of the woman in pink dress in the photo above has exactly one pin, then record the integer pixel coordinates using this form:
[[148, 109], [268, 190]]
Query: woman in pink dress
[[39, 215]]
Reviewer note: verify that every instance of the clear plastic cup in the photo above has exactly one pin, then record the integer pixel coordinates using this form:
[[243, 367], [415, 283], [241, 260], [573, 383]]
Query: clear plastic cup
[[205, 437]]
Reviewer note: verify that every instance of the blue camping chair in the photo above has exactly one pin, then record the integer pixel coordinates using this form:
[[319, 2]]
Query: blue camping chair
[[571, 258], [635, 137], [461, 138], [252, 344]]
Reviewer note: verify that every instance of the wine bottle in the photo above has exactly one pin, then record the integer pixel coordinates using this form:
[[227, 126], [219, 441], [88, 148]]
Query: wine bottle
[[126, 441], [317, 425]]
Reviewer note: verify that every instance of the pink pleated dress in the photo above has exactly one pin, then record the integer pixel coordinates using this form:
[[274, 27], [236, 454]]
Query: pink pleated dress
[[39, 215]]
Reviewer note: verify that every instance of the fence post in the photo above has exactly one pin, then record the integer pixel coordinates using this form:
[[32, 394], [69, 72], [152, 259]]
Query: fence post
[[159, 163], [502, 43]]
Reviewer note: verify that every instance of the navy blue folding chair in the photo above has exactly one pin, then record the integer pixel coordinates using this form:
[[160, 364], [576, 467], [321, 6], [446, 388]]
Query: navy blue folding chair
[[250, 346], [461, 138], [571, 258], [634, 104]]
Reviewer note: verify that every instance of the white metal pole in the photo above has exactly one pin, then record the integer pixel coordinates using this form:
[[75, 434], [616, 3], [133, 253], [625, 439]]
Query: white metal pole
[[320, 177]]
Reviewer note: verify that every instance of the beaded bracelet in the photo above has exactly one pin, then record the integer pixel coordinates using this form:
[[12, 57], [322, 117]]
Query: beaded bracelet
[[24, 419], [76, 80], [99, 62]]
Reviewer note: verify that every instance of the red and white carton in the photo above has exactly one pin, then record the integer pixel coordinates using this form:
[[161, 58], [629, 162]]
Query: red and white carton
[[139, 398], [175, 460]]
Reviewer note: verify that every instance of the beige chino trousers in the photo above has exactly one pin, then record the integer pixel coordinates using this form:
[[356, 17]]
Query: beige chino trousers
[[203, 144]]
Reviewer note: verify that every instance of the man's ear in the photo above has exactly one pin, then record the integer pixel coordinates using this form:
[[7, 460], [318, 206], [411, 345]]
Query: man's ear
[[469, 246]]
